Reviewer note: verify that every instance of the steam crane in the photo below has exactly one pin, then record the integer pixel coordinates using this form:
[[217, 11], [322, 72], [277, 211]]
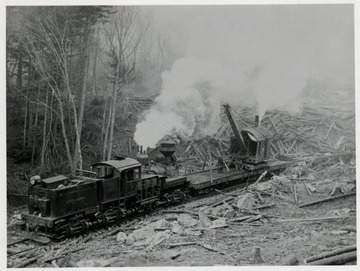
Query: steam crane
[[238, 136], [254, 143]]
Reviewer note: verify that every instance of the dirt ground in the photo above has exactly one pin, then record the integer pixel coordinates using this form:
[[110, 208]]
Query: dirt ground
[[199, 235]]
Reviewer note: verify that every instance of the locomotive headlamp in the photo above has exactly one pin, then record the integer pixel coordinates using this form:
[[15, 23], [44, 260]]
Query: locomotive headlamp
[[35, 179]]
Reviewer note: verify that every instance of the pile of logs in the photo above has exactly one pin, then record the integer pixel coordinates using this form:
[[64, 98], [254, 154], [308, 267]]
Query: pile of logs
[[317, 128], [203, 152]]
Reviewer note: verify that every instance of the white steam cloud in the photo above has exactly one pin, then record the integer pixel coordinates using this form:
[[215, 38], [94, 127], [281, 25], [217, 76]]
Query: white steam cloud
[[193, 92]]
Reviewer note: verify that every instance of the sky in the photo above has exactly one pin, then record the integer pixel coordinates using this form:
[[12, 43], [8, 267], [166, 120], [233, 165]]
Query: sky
[[255, 55], [317, 36]]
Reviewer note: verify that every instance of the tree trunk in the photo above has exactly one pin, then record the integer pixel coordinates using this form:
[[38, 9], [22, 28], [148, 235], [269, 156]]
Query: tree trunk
[[44, 143], [104, 113], [18, 81], [107, 133], [25, 120], [113, 109], [70, 126], [94, 91], [26, 110], [34, 135], [63, 131], [77, 151]]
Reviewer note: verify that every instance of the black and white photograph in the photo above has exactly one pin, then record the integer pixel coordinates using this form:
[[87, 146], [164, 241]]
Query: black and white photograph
[[181, 134]]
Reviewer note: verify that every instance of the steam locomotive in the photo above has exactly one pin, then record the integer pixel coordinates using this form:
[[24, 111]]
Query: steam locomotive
[[61, 206]]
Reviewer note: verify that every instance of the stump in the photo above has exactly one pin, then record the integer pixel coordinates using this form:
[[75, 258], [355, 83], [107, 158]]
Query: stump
[[257, 258]]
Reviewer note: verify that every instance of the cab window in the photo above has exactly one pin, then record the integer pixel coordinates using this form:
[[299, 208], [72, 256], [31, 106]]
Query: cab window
[[130, 175]]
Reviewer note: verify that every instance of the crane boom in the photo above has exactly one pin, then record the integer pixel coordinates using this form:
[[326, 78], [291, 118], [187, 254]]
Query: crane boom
[[238, 136]]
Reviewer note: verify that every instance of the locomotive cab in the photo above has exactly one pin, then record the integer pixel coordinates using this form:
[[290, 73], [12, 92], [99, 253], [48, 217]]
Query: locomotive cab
[[119, 179]]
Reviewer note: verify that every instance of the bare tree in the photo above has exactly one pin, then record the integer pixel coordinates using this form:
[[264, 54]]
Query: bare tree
[[124, 33]]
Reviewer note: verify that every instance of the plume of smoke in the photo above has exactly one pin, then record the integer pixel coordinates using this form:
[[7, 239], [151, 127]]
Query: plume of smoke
[[192, 94], [188, 102]]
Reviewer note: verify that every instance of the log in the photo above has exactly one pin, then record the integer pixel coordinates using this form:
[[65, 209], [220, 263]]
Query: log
[[307, 189], [260, 178], [227, 167], [21, 251], [264, 206], [225, 194], [206, 154], [27, 261], [273, 195], [179, 212], [245, 224], [219, 202], [273, 124], [253, 218], [63, 254], [312, 219], [349, 228], [327, 199], [245, 210], [239, 219], [259, 197], [17, 242], [337, 260], [228, 206], [87, 238], [330, 254], [218, 226], [327, 134], [182, 244], [12, 251], [310, 187], [295, 194], [208, 247]]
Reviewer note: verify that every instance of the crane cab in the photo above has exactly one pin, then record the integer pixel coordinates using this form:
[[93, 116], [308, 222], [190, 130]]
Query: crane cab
[[257, 143]]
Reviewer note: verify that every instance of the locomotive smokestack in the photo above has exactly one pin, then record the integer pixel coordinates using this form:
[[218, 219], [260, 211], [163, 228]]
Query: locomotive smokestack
[[256, 121], [167, 149]]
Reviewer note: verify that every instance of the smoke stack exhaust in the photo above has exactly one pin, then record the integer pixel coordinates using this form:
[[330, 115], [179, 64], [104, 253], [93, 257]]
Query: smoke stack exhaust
[[256, 121]]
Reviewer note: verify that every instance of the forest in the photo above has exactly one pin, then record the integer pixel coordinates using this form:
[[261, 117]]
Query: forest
[[88, 83], [76, 79]]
